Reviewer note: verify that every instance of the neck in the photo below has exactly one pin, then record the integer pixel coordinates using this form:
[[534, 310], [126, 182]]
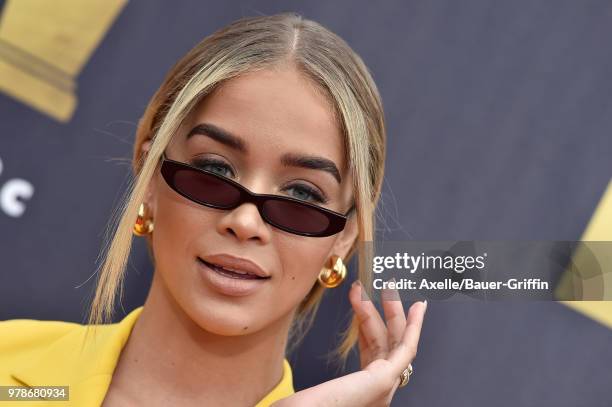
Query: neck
[[172, 357]]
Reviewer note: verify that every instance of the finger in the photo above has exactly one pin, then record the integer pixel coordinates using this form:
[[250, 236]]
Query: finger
[[394, 316], [363, 346], [370, 323], [406, 351], [363, 349]]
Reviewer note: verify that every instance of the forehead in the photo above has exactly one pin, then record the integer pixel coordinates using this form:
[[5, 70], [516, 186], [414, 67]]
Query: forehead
[[275, 111]]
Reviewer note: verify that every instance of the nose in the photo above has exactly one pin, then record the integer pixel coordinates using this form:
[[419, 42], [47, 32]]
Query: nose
[[245, 223]]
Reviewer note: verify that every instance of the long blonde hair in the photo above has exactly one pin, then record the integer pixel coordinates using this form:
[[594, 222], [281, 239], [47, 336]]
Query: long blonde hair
[[248, 44]]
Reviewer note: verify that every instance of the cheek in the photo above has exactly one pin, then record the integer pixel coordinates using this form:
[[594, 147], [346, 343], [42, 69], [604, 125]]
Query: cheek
[[302, 262], [177, 227]]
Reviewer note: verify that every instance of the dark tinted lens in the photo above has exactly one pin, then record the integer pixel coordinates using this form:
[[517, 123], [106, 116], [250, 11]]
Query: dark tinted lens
[[297, 217], [206, 188]]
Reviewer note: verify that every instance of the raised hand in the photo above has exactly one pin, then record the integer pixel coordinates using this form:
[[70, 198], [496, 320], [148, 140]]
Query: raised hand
[[385, 350]]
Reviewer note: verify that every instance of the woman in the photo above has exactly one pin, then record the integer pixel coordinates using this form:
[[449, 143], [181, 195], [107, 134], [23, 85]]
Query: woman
[[258, 165]]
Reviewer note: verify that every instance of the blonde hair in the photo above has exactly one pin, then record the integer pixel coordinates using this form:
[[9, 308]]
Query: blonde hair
[[248, 44]]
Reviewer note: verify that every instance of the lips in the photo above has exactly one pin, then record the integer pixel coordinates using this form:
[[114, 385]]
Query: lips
[[234, 267]]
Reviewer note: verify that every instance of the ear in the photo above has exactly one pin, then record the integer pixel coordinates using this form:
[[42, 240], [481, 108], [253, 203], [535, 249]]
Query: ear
[[346, 238]]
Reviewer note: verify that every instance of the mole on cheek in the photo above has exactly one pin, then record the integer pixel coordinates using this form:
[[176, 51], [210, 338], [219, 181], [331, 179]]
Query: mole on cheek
[[245, 328], [293, 277]]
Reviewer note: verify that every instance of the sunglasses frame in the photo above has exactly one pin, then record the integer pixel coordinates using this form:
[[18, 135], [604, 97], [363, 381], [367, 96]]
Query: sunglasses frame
[[337, 220]]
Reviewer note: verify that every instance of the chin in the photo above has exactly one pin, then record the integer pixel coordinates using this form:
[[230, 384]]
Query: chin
[[228, 319]]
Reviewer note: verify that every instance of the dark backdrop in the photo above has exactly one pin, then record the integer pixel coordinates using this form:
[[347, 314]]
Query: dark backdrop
[[499, 127]]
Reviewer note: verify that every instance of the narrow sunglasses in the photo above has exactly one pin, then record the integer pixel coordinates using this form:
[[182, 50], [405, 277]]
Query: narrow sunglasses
[[216, 191]]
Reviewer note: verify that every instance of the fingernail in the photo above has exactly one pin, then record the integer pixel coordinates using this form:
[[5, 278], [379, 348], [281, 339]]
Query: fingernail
[[425, 302], [356, 283]]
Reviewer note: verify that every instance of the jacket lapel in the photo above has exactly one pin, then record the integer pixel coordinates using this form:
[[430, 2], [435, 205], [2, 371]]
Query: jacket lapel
[[85, 366]]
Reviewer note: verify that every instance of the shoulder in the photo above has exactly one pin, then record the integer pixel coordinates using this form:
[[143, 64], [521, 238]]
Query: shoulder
[[37, 351], [24, 341], [21, 336]]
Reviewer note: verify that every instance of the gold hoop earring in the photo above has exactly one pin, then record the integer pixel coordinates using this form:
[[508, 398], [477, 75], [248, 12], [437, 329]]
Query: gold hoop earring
[[142, 226], [332, 275]]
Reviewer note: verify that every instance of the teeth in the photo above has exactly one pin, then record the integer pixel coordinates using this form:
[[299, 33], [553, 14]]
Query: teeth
[[232, 270], [236, 271]]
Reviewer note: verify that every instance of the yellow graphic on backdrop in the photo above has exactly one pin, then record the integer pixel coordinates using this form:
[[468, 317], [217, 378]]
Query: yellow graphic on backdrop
[[598, 229], [45, 44]]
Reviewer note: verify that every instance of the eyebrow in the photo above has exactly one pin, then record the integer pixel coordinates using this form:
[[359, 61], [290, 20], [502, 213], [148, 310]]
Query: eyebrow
[[218, 134], [289, 159]]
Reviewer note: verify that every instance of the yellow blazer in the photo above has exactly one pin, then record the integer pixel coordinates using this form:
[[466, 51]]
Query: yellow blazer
[[48, 353]]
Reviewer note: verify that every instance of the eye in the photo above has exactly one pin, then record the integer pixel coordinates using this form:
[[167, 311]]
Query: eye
[[308, 193], [213, 165]]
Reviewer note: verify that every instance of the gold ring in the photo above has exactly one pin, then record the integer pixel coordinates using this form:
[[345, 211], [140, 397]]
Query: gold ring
[[405, 376]]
